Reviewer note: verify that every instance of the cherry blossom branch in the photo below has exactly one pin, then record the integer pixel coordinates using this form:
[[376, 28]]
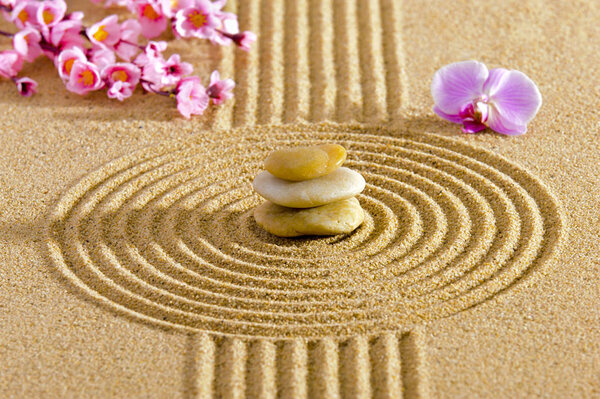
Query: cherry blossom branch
[[108, 54]]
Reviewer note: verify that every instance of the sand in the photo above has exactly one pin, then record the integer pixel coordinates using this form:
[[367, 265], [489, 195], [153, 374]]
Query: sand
[[132, 267]]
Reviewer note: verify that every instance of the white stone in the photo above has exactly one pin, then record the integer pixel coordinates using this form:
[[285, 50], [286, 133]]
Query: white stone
[[340, 184]]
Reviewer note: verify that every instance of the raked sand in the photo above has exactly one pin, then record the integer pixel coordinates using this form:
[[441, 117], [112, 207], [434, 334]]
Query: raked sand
[[131, 265]]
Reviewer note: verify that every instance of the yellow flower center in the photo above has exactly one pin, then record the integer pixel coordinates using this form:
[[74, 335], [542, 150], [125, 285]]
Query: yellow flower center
[[23, 16], [120, 75], [87, 78], [174, 4], [69, 65], [197, 19], [48, 17], [100, 34], [150, 13]]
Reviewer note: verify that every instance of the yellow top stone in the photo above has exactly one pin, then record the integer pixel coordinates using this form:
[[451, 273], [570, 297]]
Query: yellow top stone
[[303, 163]]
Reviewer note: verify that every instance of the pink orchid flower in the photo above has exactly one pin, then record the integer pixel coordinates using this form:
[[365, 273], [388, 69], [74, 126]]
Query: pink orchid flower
[[105, 33], [65, 60], [25, 13], [197, 21], [50, 12], [27, 43], [151, 17], [11, 63], [84, 77], [191, 97], [121, 78], [66, 34], [127, 47], [467, 93], [219, 90], [26, 86]]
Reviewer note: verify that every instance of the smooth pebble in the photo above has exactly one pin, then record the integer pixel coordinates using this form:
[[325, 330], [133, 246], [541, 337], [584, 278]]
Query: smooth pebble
[[342, 183], [303, 163], [335, 218]]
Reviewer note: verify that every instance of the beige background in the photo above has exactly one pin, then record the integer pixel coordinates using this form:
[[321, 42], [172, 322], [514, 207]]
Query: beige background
[[543, 341]]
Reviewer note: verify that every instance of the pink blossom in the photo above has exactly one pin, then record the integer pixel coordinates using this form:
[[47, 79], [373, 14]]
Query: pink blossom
[[150, 15], [7, 3], [228, 23], [121, 78], [173, 70], [50, 12], [242, 39], [197, 21], [158, 72], [84, 78], [65, 60], [112, 3], [11, 63], [26, 86], [25, 13], [66, 34], [219, 90], [5, 7], [151, 51], [106, 32], [127, 47], [151, 61], [467, 93], [191, 97], [170, 7], [101, 56], [27, 43]]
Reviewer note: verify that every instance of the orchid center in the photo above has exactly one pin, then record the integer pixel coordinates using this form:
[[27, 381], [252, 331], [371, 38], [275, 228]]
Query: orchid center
[[100, 34], [197, 19], [48, 17], [87, 78], [174, 4], [120, 75], [150, 13], [481, 111]]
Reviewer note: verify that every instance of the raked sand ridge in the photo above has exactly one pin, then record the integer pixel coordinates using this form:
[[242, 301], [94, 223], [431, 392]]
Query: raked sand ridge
[[457, 284]]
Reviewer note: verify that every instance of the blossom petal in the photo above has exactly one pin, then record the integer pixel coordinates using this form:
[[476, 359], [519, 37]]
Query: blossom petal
[[457, 84], [515, 96], [502, 124]]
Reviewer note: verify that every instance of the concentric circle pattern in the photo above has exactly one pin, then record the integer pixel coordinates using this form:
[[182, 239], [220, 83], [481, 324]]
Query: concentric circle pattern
[[167, 235]]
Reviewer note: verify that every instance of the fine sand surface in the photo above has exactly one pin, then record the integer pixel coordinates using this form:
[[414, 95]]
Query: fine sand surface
[[131, 266]]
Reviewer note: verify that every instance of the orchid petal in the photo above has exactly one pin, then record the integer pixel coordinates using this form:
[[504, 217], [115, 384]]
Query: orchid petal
[[491, 85], [448, 117], [505, 125], [472, 127], [457, 84], [515, 97]]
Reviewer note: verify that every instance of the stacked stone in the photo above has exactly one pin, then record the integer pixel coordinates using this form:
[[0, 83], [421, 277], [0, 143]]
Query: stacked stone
[[308, 192]]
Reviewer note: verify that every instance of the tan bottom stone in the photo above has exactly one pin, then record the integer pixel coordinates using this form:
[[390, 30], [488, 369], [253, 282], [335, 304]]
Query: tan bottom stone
[[335, 218]]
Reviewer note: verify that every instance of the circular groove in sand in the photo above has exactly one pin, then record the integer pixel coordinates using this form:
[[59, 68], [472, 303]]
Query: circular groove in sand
[[166, 235]]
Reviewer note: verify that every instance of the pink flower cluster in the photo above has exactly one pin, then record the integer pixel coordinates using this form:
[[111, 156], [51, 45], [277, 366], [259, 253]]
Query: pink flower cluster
[[204, 19], [108, 55]]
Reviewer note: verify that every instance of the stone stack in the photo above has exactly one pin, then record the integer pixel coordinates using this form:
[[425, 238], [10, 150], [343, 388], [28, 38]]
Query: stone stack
[[308, 192]]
